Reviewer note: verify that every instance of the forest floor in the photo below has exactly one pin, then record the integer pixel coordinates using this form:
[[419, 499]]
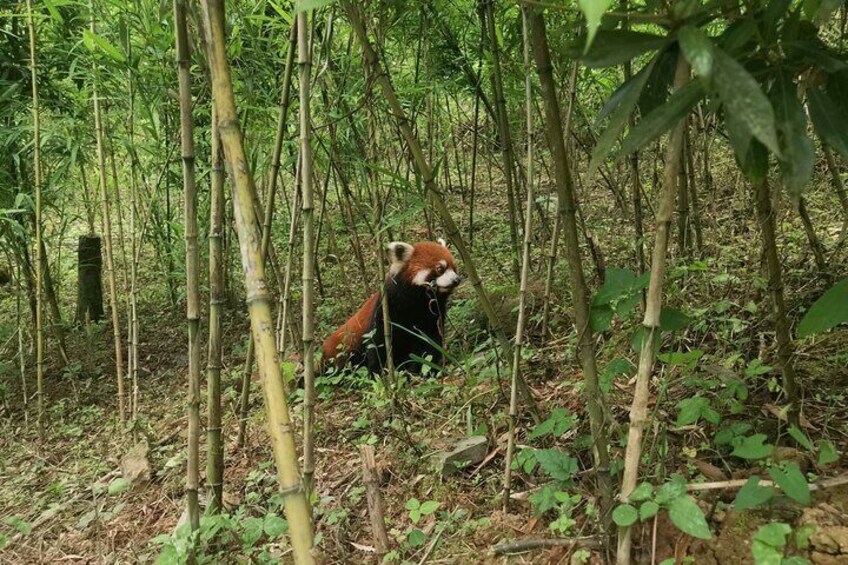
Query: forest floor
[[55, 498]]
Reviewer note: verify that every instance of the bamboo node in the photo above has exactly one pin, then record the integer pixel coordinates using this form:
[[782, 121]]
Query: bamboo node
[[296, 488]]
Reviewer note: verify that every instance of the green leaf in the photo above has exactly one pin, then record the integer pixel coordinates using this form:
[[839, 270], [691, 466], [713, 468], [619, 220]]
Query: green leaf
[[600, 318], [93, 41], [168, 556], [800, 437], [663, 118], [773, 534], [620, 366], [623, 101], [752, 495], [429, 507], [616, 46], [413, 504], [688, 517], [792, 482], [559, 422], [671, 490], [827, 453], [698, 49], [798, 159], [594, 11], [696, 408], [556, 463], [416, 538], [765, 554], [54, 13], [830, 121], [117, 486], [302, 5], [831, 309], [641, 492], [252, 529], [274, 526], [648, 510], [544, 499], [625, 515], [744, 99], [753, 447], [672, 319], [21, 526]]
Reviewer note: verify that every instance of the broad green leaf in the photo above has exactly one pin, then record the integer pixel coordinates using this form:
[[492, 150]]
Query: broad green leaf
[[672, 319], [252, 529], [600, 318], [616, 46], [625, 515], [274, 526], [827, 453], [168, 556], [765, 554], [800, 437], [559, 422], [656, 90], [118, 485], [792, 482], [798, 158], [617, 367], [829, 120], [21, 526], [696, 408], [429, 507], [671, 490], [751, 155], [663, 118], [648, 510], [625, 99], [413, 504], [753, 447], [557, 464], [544, 499], [773, 534], [752, 495], [594, 11], [92, 41], [641, 492], [416, 538], [831, 309], [698, 49], [688, 517], [742, 96]]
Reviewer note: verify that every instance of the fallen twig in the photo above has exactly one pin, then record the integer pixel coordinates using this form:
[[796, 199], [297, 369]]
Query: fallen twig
[[541, 543], [738, 483]]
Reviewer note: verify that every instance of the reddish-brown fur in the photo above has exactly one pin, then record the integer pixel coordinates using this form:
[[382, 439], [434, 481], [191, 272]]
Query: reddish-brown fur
[[348, 337]]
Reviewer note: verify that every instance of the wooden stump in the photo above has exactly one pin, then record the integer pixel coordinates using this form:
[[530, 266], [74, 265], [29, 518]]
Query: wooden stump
[[89, 279]]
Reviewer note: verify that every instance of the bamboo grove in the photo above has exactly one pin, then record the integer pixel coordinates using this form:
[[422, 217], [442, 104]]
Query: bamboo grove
[[247, 164]]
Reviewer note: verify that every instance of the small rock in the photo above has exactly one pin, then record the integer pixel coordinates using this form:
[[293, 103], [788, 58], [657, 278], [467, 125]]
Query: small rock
[[461, 453], [135, 465], [830, 539], [792, 455], [819, 558]]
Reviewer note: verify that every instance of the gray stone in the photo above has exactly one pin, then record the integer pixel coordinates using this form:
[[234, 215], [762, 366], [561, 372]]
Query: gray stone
[[460, 453], [135, 465]]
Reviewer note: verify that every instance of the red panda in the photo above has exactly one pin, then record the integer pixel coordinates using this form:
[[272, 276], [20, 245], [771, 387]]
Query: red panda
[[420, 280]]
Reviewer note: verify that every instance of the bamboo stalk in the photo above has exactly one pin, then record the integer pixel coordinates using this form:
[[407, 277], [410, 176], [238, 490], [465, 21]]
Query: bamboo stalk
[[567, 204], [107, 235], [304, 60], [39, 273], [217, 300], [183, 61], [258, 298], [525, 260], [651, 322]]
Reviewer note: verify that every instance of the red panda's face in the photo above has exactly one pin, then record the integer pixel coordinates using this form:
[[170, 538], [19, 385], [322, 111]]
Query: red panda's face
[[425, 264]]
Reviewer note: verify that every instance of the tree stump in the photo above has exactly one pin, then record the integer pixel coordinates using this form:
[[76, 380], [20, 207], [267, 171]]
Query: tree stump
[[89, 279]]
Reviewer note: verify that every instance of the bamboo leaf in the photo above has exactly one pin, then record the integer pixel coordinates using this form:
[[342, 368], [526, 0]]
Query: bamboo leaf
[[742, 96], [798, 158], [663, 118], [302, 5], [698, 50], [829, 120], [616, 46], [625, 99], [94, 41], [594, 11], [830, 310]]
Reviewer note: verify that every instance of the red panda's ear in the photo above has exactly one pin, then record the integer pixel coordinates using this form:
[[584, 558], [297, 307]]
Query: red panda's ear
[[399, 254], [442, 242]]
